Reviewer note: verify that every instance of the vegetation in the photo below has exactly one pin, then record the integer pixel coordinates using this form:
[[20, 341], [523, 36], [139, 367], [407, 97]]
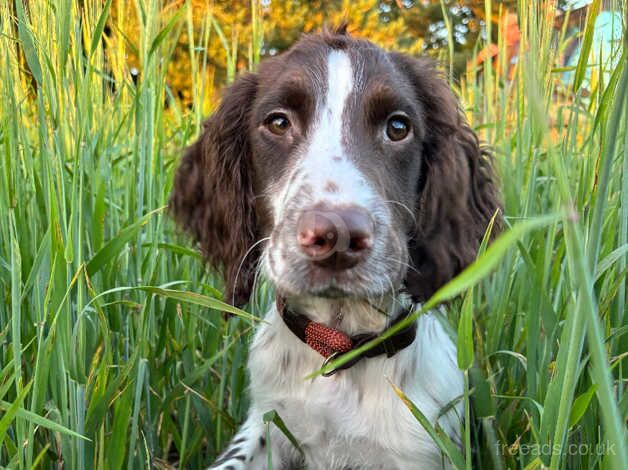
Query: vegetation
[[113, 349]]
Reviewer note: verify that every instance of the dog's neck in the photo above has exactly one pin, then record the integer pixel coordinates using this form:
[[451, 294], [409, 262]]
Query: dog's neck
[[351, 315]]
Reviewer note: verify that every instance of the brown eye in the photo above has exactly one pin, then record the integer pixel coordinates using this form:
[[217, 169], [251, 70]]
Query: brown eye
[[397, 128], [278, 124]]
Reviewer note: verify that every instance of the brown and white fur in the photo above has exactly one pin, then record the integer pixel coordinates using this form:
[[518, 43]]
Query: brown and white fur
[[372, 142]]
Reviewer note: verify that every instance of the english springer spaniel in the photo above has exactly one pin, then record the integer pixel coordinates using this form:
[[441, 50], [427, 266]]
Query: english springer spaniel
[[349, 176]]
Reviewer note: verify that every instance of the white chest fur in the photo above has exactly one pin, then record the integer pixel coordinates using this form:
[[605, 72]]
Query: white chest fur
[[354, 419]]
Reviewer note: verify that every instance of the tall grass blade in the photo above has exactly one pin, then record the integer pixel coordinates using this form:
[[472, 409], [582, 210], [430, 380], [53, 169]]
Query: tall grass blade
[[441, 439]]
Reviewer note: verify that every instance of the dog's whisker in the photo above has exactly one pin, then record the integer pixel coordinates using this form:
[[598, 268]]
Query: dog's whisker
[[257, 275], [248, 252], [403, 206], [405, 264], [393, 291]]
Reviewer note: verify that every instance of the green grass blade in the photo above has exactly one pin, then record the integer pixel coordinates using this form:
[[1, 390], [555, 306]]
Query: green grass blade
[[39, 420], [28, 45], [273, 417], [441, 439], [112, 248], [100, 26], [587, 41]]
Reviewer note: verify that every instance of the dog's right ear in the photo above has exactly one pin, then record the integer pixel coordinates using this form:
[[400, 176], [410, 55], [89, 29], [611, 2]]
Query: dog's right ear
[[457, 195], [212, 196]]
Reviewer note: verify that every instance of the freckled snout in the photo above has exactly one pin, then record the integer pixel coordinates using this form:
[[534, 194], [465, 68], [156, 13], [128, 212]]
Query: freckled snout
[[335, 237]]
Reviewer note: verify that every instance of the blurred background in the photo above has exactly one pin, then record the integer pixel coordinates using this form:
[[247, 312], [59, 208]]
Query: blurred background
[[463, 34]]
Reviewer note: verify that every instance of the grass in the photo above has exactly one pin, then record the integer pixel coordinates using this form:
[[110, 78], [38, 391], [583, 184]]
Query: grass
[[113, 351]]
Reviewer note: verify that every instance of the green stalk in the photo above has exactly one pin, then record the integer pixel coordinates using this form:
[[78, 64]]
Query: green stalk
[[587, 313], [597, 220], [468, 457], [16, 316]]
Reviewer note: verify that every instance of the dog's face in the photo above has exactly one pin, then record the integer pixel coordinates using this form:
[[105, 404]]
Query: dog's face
[[352, 165], [334, 147]]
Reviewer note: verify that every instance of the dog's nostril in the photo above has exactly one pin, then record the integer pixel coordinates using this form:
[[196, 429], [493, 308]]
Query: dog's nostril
[[316, 234], [360, 242], [336, 238]]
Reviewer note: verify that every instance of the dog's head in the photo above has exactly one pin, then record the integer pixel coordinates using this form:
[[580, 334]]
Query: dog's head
[[353, 166]]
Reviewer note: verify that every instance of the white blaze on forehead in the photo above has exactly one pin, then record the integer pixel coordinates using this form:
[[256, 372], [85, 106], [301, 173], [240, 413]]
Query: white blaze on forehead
[[339, 87], [328, 127], [324, 158]]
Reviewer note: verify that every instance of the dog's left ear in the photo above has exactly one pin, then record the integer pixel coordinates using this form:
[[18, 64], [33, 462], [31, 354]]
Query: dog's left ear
[[212, 196], [456, 195]]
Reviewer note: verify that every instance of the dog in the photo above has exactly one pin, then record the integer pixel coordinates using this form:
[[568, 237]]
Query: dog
[[348, 177]]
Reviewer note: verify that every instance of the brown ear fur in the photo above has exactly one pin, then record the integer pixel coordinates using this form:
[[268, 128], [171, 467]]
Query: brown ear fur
[[456, 195], [212, 196]]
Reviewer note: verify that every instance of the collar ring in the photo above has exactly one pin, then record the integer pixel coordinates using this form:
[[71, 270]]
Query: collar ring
[[327, 360]]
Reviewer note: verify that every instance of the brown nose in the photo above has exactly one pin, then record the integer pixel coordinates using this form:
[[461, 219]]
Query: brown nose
[[337, 238]]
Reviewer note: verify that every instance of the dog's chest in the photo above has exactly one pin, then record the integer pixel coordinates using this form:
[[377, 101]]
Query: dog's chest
[[352, 419]]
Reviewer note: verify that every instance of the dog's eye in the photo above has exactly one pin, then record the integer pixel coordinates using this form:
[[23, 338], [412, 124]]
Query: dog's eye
[[277, 123], [397, 128]]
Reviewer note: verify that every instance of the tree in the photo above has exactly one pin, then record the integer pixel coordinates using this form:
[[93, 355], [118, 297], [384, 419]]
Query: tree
[[227, 32]]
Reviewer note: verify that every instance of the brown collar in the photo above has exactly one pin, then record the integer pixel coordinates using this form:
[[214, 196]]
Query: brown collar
[[329, 342]]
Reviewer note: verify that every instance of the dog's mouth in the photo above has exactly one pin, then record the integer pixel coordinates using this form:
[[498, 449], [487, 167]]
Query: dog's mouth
[[296, 277], [333, 292], [359, 282]]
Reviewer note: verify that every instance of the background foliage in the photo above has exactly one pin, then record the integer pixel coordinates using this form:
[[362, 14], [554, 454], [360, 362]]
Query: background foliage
[[113, 351]]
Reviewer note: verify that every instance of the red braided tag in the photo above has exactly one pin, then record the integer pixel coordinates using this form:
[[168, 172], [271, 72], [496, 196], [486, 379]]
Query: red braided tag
[[326, 340]]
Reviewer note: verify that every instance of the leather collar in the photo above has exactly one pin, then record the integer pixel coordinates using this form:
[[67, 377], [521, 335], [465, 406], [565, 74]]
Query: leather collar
[[329, 342]]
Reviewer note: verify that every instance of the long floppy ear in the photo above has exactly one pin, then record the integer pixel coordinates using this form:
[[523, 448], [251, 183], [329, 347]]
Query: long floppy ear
[[212, 196], [456, 193]]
